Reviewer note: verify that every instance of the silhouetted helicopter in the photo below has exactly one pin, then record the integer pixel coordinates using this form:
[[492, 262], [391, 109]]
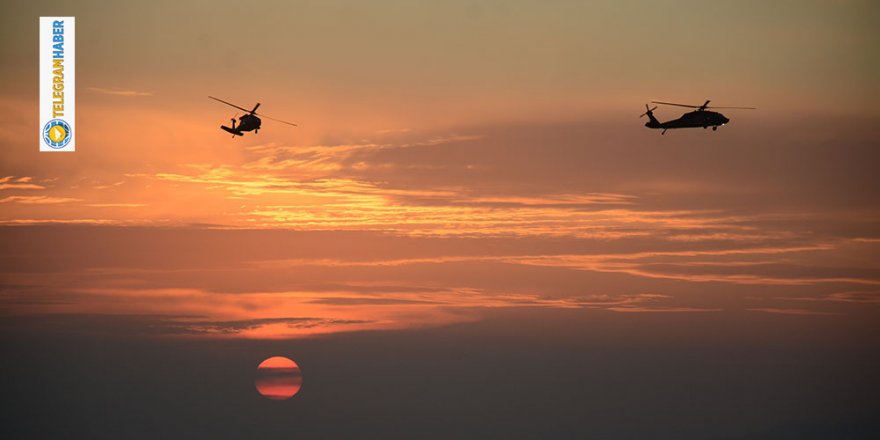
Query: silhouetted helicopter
[[697, 118], [247, 122]]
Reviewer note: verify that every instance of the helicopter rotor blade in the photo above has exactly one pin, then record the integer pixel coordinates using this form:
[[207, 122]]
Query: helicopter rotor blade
[[649, 110], [679, 105], [704, 106], [230, 104], [276, 120], [741, 108]]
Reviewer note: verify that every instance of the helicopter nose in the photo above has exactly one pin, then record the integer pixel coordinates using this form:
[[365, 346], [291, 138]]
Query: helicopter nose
[[724, 120]]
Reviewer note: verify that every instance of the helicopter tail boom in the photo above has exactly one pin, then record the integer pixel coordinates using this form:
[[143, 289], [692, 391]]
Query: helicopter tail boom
[[231, 130]]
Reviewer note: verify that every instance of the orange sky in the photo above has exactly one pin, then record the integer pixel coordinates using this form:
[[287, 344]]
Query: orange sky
[[481, 155]]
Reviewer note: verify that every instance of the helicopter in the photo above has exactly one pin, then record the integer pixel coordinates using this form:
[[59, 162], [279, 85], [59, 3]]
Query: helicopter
[[250, 121], [701, 117]]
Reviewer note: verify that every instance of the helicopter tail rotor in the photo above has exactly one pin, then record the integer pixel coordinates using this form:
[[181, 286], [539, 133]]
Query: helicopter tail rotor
[[233, 125], [648, 110], [652, 121]]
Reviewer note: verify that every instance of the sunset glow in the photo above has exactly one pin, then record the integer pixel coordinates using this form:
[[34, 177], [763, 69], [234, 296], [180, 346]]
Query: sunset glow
[[470, 232]]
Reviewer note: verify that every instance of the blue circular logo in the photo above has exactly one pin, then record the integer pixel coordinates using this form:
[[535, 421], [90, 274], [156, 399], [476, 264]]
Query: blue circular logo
[[57, 133]]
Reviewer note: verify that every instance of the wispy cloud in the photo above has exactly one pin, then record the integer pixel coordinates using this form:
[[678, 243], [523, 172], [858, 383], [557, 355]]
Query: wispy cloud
[[710, 266], [352, 204], [116, 205], [290, 314], [316, 161], [63, 221], [110, 186], [553, 199], [356, 281], [645, 309], [253, 327], [119, 92], [771, 266], [11, 182], [788, 311], [38, 200], [855, 297]]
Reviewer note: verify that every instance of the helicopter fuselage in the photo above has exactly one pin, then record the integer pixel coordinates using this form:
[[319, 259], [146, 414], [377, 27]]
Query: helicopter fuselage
[[247, 122], [697, 118]]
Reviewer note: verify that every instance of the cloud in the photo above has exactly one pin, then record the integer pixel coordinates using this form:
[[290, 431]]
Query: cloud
[[645, 309], [790, 311], [854, 297], [767, 266], [355, 301], [10, 182], [357, 281], [271, 315], [110, 186], [236, 327], [63, 221], [116, 205], [288, 314], [315, 161], [612, 302], [174, 325], [351, 204], [119, 92], [552, 200], [38, 200]]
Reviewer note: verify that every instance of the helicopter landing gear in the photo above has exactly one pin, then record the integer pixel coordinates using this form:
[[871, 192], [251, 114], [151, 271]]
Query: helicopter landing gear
[[715, 128]]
